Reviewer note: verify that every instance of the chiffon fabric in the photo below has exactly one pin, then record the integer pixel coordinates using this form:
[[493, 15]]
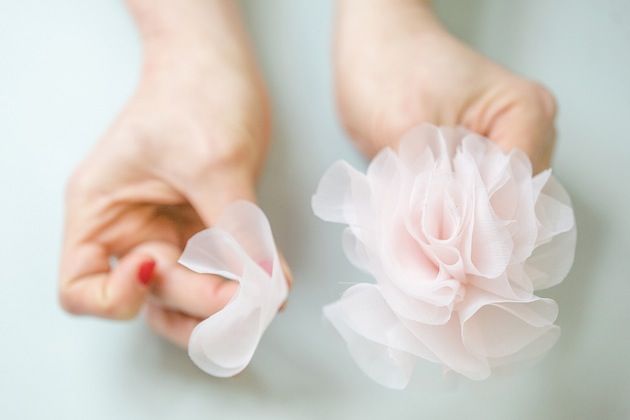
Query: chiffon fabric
[[239, 247], [458, 235]]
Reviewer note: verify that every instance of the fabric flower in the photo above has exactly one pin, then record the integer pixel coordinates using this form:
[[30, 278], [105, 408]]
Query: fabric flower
[[458, 236], [239, 247]]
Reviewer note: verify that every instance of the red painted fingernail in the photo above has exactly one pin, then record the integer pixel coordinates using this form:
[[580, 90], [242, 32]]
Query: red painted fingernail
[[145, 272]]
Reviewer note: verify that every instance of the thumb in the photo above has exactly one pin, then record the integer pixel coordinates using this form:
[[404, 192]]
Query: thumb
[[529, 125], [211, 195]]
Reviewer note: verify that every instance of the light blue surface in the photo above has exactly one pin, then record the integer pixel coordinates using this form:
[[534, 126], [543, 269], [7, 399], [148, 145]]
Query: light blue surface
[[66, 67]]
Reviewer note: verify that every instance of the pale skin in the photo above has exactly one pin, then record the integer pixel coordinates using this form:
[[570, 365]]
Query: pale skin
[[396, 66], [190, 140], [194, 137]]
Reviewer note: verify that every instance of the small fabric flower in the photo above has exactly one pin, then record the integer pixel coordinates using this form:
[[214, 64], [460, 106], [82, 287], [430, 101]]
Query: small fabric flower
[[239, 247]]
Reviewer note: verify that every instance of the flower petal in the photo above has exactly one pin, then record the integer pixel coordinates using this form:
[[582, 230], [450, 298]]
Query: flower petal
[[553, 256], [423, 146], [532, 351], [445, 341], [553, 210], [341, 189], [493, 327], [404, 306], [551, 262], [355, 251], [239, 247], [488, 247], [373, 335]]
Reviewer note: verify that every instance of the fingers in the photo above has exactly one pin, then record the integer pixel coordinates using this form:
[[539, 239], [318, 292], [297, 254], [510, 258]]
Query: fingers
[[197, 295], [172, 325], [182, 299], [89, 287], [528, 125]]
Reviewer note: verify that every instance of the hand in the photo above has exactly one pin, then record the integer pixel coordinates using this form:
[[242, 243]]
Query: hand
[[396, 67], [191, 140]]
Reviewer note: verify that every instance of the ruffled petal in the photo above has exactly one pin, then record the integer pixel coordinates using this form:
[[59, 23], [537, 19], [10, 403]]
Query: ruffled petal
[[553, 210], [553, 256], [355, 251], [340, 192], [514, 284], [240, 247], [414, 309], [425, 145], [488, 248], [532, 351], [499, 328], [551, 262], [445, 341], [373, 335], [389, 184]]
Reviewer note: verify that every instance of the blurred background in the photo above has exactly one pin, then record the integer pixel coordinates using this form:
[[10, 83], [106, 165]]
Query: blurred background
[[66, 68]]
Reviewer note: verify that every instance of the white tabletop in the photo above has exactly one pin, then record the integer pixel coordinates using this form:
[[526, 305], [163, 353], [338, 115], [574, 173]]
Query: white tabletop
[[66, 67]]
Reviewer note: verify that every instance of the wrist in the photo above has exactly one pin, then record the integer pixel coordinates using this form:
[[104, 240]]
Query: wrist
[[395, 15], [386, 6], [190, 32]]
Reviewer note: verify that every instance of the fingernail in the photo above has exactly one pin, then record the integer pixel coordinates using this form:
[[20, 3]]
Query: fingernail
[[145, 272]]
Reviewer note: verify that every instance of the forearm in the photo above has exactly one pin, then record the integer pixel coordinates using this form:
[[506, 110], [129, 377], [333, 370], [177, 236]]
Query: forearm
[[382, 21], [202, 29]]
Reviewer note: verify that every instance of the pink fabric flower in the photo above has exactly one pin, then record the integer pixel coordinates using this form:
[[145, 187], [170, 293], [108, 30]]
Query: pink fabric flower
[[458, 235]]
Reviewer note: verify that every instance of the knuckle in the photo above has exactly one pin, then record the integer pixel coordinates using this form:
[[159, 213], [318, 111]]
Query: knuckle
[[540, 99], [113, 309], [77, 183], [68, 303], [222, 151], [547, 100], [217, 153]]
